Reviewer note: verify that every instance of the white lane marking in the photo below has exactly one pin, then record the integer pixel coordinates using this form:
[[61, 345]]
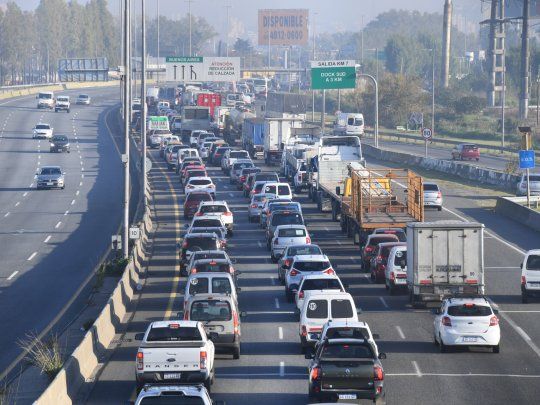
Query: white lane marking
[[17, 203], [276, 302], [384, 302], [39, 157], [77, 193], [270, 312], [461, 375], [351, 259], [400, 332], [81, 162], [281, 368], [326, 229], [25, 194], [32, 256], [259, 243], [67, 212], [280, 333], [31, 185], [6, 214], [416, 368], [82, 176], [231, 194], [48, 238], [523, 334], [80, 184], [338, 242], [72, 202], [58, 225], [13, 275]]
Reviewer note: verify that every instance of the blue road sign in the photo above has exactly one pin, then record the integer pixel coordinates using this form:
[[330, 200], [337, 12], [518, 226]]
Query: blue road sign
[[526, 159]]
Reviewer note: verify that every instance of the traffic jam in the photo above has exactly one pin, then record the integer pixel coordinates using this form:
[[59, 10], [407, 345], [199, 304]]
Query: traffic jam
[[232, 178]]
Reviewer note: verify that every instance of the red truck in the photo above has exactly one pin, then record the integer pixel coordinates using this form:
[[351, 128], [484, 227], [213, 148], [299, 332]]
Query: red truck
[[210, 100]]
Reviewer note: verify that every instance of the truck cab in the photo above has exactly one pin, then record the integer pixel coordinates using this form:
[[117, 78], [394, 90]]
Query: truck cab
[[45, 99]]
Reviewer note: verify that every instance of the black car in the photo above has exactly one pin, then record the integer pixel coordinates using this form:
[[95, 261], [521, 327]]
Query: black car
[[60, 143]]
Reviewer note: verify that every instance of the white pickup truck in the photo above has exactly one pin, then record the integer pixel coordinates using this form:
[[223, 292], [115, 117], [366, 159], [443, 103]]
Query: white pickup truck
[[174, 352]]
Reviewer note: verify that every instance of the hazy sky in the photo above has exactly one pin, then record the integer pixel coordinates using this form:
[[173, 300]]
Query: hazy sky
[[332, 15]]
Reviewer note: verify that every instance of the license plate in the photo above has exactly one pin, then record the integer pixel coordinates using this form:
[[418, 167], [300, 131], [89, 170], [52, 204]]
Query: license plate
[[470, 339], [172, 376], [347, 396], [400, 281], [49, 183]]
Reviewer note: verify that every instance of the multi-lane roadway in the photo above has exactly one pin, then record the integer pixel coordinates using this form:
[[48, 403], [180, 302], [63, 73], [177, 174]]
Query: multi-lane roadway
[[52, 240], [272, 369]]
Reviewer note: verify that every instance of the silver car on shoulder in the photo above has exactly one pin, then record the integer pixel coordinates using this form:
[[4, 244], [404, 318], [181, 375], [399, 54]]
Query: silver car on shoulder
[[433, 196]]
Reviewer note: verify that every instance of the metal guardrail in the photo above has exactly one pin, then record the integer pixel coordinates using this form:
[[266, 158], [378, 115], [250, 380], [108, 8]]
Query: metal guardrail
[[4, 89]]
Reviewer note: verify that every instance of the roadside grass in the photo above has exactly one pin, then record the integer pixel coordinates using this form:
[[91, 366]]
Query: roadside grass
[[46, 355]]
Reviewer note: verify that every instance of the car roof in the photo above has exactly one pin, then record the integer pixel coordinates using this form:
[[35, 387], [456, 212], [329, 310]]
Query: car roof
[[465, 300], [303, 245], [310, 258], [217, 202], [201, 235], [200, 178], [345, 324], [381, 235], [387, 244], [206, 261], [290, 227], [181, 322], [319, 276]]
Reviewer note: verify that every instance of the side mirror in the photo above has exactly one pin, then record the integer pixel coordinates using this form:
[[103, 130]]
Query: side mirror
[[376, 336], [243, 314], [139, 336], [310, 355], [238, 289], [359, 311], [382, 356], [405, 191]]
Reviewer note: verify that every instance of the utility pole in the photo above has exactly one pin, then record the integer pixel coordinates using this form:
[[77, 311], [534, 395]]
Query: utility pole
[[377, 64], [376, 86], [143, 101], [313, 58], [524, 88], [157, 23], [503, 70], [362, 44], [447, 33], [190, 40], [228, 7], [432, 92], [127, 123]]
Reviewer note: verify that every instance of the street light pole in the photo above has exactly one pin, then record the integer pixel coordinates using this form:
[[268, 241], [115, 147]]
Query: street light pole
[[228, 7], [376, 127], [190, 40], [143, 101], [157, 23], [432, 95], [127, 104]]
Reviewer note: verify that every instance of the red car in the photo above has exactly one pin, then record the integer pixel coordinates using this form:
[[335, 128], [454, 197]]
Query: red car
[[370, 247], [192, 201], [380, 259], [466, 151]]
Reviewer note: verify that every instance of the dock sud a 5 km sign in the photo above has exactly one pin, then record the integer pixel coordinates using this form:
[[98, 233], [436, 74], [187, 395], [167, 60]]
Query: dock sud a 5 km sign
[[333, 74]]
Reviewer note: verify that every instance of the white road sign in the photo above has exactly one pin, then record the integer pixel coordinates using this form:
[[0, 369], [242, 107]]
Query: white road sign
[[156, 123], [332, 63], [202, 69], [134, 232], [426, 133]]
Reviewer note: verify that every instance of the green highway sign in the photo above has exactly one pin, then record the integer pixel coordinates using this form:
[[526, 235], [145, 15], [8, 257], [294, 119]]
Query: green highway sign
[[156, 122], [184, 59], [339, 74]]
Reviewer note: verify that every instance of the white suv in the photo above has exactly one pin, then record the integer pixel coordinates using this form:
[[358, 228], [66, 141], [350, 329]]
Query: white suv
[[305, 265], [466, 322], [62, 103], [219, 209], [530, 275], [288, 235]]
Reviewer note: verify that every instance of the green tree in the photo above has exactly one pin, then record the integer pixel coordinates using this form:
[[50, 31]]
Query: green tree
[[242, 47]]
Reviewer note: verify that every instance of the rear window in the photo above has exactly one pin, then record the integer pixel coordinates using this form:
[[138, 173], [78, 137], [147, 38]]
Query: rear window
[[242, 165], [467, 148], [469, 310], [198, 286], [321, 284], [266, 177], [221, 151], [213, 255], [400, 258], [534, 178], [201, 182], [206, 310], [196, 173], [342, 309], [431, 187], [203, 243], [292, 233], [284, 207], [173, 333], [311, 266], [249, 170], [347, 333], [199, 197], [206, 223], [283, 190], [172, 398], [304, 250], [533, 262], [317, 309], [287, 219], [212, 267], [238, 154], [213, 208], [382, 239], [42, 126], [346, 351]]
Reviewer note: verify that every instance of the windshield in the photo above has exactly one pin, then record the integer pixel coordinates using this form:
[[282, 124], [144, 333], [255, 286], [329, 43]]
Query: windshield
[[311, 266], [62, 98], [239, 154], [431, 187], [304, 250], [207, 310], [83, 96], [469, 310], [382, 239], [400, 258], [213, 208], [206, 255], [59, 138], [321, 284], [46, 96], [317, 309], [205, 223], [202, 182], [173, 333], [202, 243], [284, 207], [212, 267], [242, 165], [287, 219], [199, 197], [346, 351], [347, 333], [292, 232], [266, 177], [49, 170]]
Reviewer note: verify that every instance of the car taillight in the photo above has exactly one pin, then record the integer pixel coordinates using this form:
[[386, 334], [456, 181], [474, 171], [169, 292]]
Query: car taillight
[[186, 316], [193, 270], [293, 273], [288, 262], [276, 241], [235, 322], [368, 249], [140, 360], [301, 294], [446, 321], [378, 373], [439, 194], [199, 214], [523, 281], [315, 373], [308, 240], [184, 245], [242, 178], [392, 276], [304, 330], [228, 214], [379, 259], [253, 205], [202, 361], [329, 271], [493, 321]]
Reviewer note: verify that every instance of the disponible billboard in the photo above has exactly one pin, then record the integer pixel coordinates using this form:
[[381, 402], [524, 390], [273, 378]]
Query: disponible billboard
[[283, 27]]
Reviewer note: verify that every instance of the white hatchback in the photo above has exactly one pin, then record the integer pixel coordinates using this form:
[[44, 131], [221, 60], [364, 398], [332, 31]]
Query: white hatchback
[[317, 283], [281, 190], [466, 322], [288, 235], [395, 272], [219, 209], [530, 275], [305, 265], [201, 184]]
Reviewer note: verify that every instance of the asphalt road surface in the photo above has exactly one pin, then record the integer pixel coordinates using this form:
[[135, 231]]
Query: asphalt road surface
[[51, 240], [272, 370]]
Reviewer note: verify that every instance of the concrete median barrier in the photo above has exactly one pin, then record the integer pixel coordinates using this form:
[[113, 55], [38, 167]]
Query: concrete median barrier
[[515, 208], [465, 171]]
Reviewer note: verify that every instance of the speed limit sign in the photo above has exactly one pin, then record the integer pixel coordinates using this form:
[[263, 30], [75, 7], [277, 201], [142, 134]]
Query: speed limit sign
[[426, 133]]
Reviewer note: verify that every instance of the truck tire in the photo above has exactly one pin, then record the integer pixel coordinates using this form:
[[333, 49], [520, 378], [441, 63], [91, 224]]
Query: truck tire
[[236, 352], [334, 211], [319, 200], [343, 223], [297, 190]]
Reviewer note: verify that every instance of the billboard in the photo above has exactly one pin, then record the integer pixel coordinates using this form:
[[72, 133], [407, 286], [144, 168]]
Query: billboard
[[283, 27], [83, 70]]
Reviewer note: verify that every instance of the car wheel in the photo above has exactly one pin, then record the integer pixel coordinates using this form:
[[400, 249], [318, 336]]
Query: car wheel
[[236, 352], [524, 298], [439, 208], [435, 341], [392, 290], [442, 347], [497, 348], [274, 258]]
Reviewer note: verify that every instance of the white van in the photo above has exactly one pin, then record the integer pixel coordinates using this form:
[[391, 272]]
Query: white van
[[395, 273], [530, 275], [45, 99], [211, 283], [281, 190], [319, 308], [322, 283], [349, 124], [185, 153]]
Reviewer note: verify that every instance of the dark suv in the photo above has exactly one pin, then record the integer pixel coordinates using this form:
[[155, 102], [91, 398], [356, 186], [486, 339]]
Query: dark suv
[[194, 242], [60, 143]]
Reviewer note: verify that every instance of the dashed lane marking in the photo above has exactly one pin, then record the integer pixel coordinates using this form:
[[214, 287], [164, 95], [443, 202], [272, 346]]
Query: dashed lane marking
[[32, 256], [47, 239], [13, 274]]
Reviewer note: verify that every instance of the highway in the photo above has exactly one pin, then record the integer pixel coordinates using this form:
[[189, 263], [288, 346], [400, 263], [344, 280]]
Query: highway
[[53, 239], [272, 369]]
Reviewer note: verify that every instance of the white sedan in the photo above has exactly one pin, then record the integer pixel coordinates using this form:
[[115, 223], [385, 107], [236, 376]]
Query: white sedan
[[466, 322], [42, 131], [201, 184]]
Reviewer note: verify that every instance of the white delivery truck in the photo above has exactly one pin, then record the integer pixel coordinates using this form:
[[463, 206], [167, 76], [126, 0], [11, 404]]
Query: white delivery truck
[[444, 258], [277, 132], [349, 124], [45, 99]]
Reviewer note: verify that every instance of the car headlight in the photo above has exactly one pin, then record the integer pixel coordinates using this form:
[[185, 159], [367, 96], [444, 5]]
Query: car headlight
[[52, 144]]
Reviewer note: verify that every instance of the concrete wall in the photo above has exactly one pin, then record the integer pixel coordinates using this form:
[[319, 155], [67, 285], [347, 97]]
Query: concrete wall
[[463, 170], [514, 208]]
